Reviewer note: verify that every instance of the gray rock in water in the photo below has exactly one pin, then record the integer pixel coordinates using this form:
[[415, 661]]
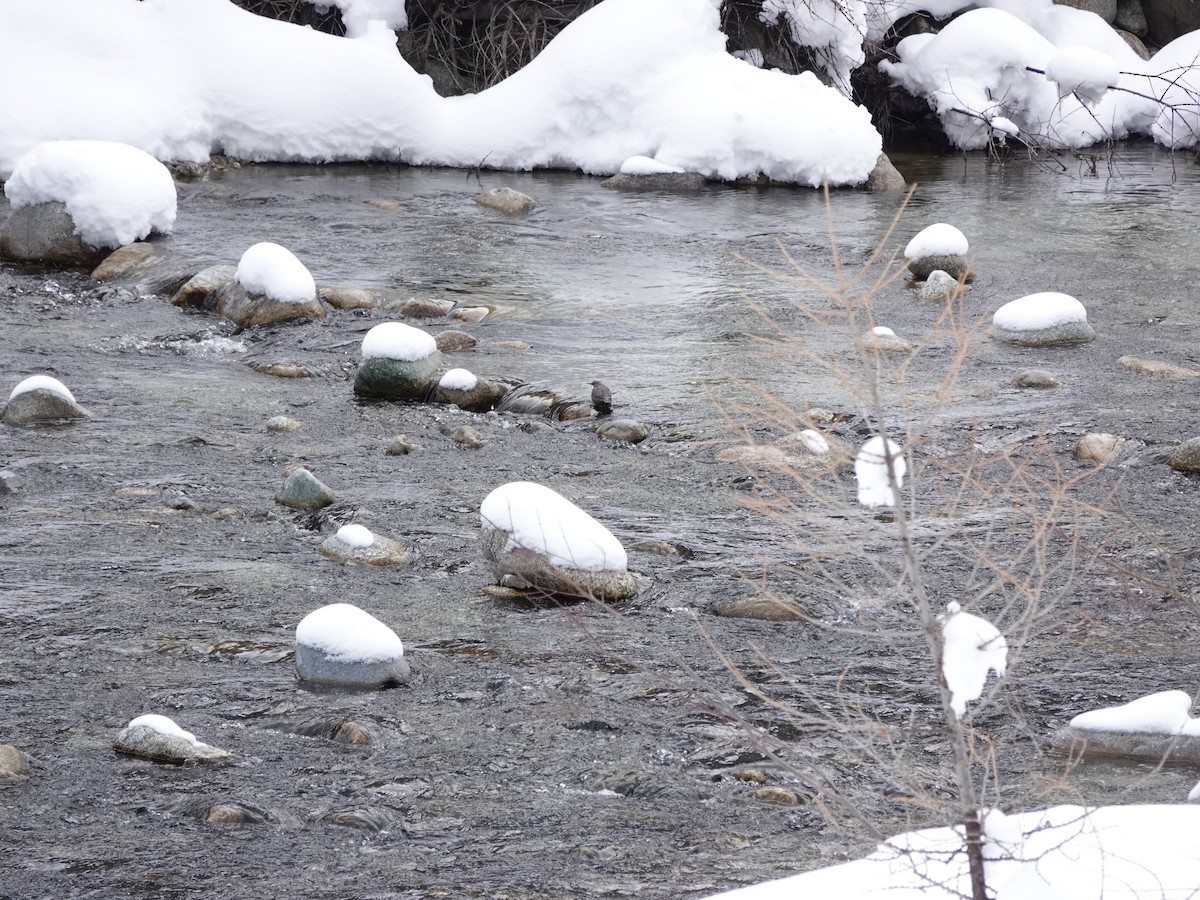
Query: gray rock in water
[[885, 176], [343, 645], [1078, 744], [12, 762], [768, 609], [484, 397], [627, 430], [1186, 457], [381, 552], [302, 490], [148, 268], [348, 297], [425, 308], [1066, 333], [396, 379], [150, 743], [201, 289], [41, 405], [505, 200], [939, 287], [471, 314], [282, 423], [675, 182], [10, 482], [956, 267], [1037, 378], [1097, 447], [45, 233], [451, 340], [235, 303]]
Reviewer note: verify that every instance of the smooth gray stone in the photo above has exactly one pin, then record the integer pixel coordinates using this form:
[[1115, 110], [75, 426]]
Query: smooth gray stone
[[302, 490], [313, 665], [1067, 333], [527, 568], [678, 182], [149, 743], [45, 233], [1151, 747], [396, 379], [41, 405]]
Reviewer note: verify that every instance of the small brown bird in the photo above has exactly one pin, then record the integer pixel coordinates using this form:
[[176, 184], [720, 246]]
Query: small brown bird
[[601, 398]]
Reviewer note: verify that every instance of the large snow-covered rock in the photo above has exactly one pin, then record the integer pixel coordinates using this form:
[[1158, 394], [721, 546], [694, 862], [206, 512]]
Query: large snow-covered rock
[[73, 201], [398, 363], [344, 645], [1043, 319], [269, 285], [535, 537], [158, 738], [41, 398], [938, 246], [1155, 727]]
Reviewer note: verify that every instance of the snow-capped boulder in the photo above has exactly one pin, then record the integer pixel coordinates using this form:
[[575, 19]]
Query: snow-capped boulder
[[160, 739], [466, 391], [342, 644], [1155, 727], [40, 398], [269, 285], [398, 363], [883, 340], [940, 246], [1043, 319], [303, 490], [535, 537], [871, 471], [74, 201], [356, 543]]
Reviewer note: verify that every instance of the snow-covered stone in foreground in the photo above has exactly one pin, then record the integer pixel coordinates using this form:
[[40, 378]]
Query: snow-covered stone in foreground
[[275, 272], [1167, 712], [1082, 71], [1042, 319], [40, 398], [939, 246], [356, 543], [535, 537], [342, 644], [871, 471], [458, 380], [971, 647], [113, 193], [158, 737], [398, 363], [1154, 727]]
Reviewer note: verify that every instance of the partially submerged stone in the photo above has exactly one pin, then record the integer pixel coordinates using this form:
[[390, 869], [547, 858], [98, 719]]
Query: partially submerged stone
[[340, 297], [45, 233], [1156, 368], [883, 340], [885, 176], [672, 182], [158, 738], [302, 490], [505, 200], [1186, 457], [1098, 447], [628, 431], [41, 399], [355, 543], [425, 308], [12, 762], [1157, 727], [464, 390], [939, 287], [199, 291], [282, 423], [939, 246], [246, 309], [451, 340], [765, 608], [341, 644], [398, 363]]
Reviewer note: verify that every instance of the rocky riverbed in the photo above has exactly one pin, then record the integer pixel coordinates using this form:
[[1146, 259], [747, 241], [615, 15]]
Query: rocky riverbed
[[651, 748]]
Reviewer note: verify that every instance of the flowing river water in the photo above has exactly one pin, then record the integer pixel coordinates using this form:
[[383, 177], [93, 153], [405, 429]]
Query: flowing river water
[[654, 749]]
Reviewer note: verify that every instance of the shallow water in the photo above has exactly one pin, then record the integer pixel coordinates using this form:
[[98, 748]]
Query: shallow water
[[550, 752]]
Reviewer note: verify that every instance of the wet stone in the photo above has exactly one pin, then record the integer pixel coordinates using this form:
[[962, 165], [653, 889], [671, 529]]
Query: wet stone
[[884, 340], [281, 369], [483, 397], [767, 609], [282, 423], [181, 503], [41, 405], [200, 290], [10, 482], [396, 379], [450, 341], [1066, 333], [885, 176], [46, 233], [955, 266], [774, 794], [150, 743], [1082, 744], [1038, 379], [399, 446], [505, 200], [627, 430], [471, 313], [1098, 447], [420, 308], [366, 819], [124, 260], [938, 287], [382, 551], [12, 762], [238, 305], [302, 490], [675, 182], [234, 813], [1156, 368], [1186, 457], [348, 297]]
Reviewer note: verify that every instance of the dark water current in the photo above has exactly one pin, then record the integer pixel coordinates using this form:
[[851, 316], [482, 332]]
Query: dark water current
[[568, 751]]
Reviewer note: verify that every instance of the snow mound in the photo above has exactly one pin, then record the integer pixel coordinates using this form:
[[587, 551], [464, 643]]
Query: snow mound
[[163, 725], [357, 536], [345, 633], [1036, 311], [273, 271], [939, 239], [1166, 712], [395, 340], [814, 441], [871, 471], [1082, 71], [542, 520], [458, 380], [42, 383], [644, 165], [115, 193], [971, 647]]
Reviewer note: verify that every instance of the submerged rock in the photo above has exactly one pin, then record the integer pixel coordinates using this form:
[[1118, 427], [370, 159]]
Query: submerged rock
[[505, 200], [466, 436], [627, 430], [451, 340], [884, 340], [160, 739], [341, 644], [676, 182], [399, 446], [302, 490], [40, 398], [425, 308], [282, 423], [768, 609]]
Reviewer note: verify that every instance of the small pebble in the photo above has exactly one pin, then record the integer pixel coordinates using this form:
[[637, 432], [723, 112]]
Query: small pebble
[[1037, 378], [282, 423], [400, 446], [468, 437]]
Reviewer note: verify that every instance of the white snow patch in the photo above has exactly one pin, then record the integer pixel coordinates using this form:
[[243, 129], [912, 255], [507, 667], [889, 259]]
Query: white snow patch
[[1036, 311], [644, 165], [163, 725], [939, 239], [116, 194], [1166, 712], [362, 17], [814, 441], [274, 271], [346, 633], [881, 331], [1194, 793], [42, 383], [1004, 126], [395, 340], [971, 647], [357, 536], [871, 471], [1082, 71], [539, 519], [458, 380]]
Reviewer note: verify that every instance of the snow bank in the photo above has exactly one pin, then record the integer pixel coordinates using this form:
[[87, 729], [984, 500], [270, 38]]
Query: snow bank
[[1036, 311], [871, 471], [395, 340], [971, 647], [116, 194], [357, 536], [644, 165], [1082, 71], [539, 519], [274, 271], [1166, 712], [938, 239], [627, 78], [344, 632], [458, 380], [42, 383]]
